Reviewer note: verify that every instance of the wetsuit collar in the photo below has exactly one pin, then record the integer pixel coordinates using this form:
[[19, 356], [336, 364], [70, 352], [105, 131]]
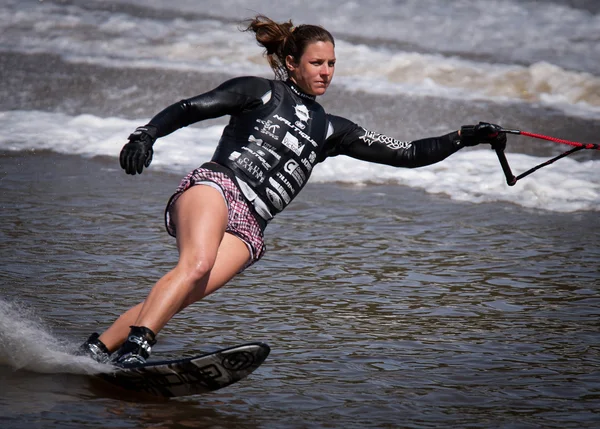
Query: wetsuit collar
[[298, 91]]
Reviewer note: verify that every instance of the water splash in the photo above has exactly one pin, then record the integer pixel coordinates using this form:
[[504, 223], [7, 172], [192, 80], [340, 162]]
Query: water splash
[[471, 176], [26, 344], [407, 50]]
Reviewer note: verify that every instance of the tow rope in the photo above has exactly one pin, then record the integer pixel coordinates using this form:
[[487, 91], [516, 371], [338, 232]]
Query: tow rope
[[511, 179]]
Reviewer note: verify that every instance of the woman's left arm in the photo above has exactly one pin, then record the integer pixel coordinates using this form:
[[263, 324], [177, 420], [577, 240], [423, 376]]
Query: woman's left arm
[[348, 138]]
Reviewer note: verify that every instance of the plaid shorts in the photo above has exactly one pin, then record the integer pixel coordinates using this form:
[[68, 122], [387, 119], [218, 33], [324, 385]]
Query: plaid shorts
[[241, 221]]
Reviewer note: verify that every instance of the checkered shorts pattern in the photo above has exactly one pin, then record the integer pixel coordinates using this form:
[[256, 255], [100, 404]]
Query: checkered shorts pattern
[[241, 222]]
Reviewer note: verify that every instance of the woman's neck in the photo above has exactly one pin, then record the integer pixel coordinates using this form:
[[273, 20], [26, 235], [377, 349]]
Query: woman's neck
[[298, 91]]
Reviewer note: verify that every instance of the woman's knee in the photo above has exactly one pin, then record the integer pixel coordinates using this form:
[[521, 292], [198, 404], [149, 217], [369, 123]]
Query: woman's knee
[[197, 268]]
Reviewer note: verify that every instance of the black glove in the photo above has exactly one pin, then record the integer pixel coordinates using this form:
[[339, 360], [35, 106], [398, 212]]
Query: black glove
[[137, 154], [472, 135]]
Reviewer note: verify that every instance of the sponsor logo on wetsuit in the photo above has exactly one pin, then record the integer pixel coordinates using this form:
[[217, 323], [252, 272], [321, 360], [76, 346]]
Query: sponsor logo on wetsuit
[[268, 128], [259, 155], [296, 129], [248, 165], [292, 143], [281, 192], [265, 146], [371, 137], [275, 199], [302, 114], [301, 94], [293, 169], [308, 163], [285, 181]]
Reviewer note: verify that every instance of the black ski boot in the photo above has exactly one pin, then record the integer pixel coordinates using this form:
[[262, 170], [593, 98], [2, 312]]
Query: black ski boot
[[95, 349], [136, 350]]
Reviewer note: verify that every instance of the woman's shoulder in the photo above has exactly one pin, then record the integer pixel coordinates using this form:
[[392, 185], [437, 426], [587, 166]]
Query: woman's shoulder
[[248, 81], [340, 122], [249, 86]]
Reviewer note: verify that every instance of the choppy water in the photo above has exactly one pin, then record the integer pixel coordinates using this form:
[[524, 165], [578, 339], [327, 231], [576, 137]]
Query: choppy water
[[398, 310], [437, 297]]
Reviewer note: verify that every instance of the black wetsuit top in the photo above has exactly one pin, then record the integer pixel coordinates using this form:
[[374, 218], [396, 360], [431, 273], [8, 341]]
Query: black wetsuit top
[[277, 134]]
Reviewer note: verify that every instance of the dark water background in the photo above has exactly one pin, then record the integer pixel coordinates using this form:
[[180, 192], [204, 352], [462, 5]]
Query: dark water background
[[385, 306]]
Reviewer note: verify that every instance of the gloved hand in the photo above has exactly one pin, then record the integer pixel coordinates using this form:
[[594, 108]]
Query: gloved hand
[[137, 154], [472, 135]]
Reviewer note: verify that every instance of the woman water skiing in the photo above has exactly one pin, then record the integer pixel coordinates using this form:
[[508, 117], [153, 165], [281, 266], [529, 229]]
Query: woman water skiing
[[277, 133]]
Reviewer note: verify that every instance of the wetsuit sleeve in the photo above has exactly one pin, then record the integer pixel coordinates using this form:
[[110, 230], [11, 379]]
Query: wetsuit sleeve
[[231, 97], [347, 138]]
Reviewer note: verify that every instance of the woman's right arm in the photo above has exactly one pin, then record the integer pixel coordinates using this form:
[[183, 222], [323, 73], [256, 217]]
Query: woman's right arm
[[231, 97], [234, 96]]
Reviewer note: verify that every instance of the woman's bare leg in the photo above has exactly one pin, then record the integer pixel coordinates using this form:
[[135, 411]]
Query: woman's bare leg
[[208, 258], [116, 334]]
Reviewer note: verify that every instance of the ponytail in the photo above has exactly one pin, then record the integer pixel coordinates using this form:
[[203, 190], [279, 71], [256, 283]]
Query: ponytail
[[283, 39]]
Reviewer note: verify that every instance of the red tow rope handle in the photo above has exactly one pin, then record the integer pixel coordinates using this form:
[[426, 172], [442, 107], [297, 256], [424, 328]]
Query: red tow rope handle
[[511, 179], [553, 139]]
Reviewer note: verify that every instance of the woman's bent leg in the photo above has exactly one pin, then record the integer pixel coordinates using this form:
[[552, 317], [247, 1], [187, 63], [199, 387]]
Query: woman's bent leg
[[116, 334], [208, 259]]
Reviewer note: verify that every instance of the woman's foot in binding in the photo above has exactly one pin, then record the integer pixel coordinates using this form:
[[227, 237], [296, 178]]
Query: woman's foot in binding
[[95, 349], [136, 350]]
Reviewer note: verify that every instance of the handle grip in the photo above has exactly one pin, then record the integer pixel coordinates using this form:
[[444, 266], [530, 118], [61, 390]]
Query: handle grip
[[510, 177]]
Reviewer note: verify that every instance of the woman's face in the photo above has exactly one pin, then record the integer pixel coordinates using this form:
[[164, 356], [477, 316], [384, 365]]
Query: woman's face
[[314, 71]]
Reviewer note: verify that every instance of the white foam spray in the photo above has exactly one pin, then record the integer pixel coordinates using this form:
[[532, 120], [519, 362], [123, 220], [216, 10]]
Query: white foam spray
[[472, 176], [506, 59], [25, 343]]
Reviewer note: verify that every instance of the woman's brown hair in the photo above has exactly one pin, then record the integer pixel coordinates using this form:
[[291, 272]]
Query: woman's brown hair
[[283, 39]]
